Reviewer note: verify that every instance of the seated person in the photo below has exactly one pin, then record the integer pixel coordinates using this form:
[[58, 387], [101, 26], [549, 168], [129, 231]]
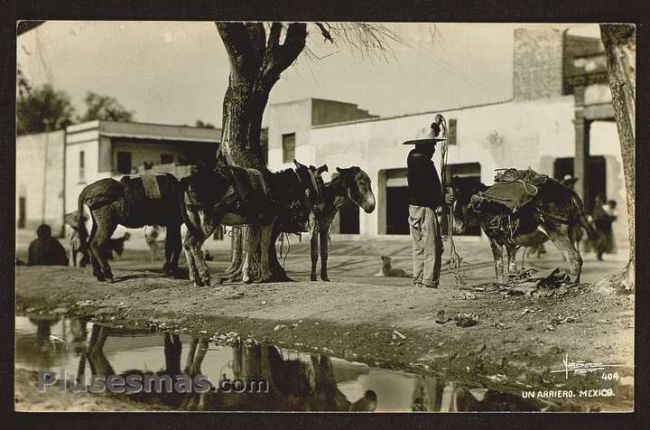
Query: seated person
[[46, 250]]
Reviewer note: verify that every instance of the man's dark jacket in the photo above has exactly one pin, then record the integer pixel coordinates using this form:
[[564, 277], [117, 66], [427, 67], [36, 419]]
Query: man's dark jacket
[[423, 180]]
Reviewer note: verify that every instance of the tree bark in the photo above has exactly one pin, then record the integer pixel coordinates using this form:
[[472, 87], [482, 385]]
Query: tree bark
[[620, 47], [256, 62]]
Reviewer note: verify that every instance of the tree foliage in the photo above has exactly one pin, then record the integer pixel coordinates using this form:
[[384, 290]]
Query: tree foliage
[[105, 108], [42, 108]]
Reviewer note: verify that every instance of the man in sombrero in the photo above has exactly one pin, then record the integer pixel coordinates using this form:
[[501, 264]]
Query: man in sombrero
[[425, 196]]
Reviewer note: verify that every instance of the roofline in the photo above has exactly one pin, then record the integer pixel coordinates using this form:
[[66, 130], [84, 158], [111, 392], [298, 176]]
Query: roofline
[[311, 99], [90, 125], [156, 137], [357, 121]]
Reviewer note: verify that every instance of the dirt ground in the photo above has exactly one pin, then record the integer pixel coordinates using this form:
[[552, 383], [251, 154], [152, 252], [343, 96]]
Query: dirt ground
[[516, 344]]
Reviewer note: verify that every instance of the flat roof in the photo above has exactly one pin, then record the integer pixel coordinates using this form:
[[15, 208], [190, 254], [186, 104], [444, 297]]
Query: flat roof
[[141, 130]]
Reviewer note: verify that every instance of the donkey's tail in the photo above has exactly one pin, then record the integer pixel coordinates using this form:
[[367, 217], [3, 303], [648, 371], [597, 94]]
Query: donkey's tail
[[81, 225]]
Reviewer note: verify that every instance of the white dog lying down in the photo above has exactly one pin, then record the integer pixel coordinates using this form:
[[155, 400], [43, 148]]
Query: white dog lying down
[[388, 272]]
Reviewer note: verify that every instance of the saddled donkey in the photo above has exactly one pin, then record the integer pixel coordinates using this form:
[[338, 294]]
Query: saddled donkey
[[236, 196], [347, 185], [133, 202], [526, 209]]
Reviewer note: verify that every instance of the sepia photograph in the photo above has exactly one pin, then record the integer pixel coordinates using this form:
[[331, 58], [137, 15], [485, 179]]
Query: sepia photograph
[[333, 216]]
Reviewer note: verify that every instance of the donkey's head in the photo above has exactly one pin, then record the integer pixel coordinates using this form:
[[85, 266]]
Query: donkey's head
[[358, 187], [312, 182]]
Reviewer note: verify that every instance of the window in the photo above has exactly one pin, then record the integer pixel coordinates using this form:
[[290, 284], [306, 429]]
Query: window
[[82, 166], [166, 159], [124, 162], [451, 133], [288, 147]]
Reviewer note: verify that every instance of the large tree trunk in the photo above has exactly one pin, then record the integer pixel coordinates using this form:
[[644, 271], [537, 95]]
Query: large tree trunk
[[620, 47], [256, 63]]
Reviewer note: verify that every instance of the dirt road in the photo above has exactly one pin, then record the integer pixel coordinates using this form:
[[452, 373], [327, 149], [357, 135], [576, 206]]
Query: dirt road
[[517, 341]]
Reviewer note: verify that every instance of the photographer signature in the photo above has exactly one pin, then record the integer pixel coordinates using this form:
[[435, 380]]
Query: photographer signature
[[581, 367]]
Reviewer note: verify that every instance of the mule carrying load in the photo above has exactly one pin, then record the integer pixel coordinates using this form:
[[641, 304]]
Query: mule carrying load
[[525, 208], [236, 196], [133, 202]]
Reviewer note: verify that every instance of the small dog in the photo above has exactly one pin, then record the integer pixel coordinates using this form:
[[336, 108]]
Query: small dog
[[388, 272]]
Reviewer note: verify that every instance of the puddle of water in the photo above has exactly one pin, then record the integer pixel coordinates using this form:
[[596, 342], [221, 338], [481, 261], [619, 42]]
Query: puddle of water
[[286, 379]]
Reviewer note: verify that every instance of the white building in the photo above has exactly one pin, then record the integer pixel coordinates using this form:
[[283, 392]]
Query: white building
[[536, 128], [52, 168]]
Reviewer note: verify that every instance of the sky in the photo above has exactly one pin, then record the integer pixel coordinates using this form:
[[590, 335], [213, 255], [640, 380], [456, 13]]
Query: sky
[[177, 72]]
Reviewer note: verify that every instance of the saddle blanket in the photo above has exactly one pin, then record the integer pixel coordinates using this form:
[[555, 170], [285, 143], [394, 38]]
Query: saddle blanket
[[514, 188], [145, 187], [250, 184]]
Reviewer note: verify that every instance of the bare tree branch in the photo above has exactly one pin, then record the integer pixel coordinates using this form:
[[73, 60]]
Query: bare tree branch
[[325, 32], [284, 55]]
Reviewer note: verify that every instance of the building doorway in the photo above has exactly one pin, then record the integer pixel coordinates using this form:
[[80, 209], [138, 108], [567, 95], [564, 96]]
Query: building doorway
[[597, 177]]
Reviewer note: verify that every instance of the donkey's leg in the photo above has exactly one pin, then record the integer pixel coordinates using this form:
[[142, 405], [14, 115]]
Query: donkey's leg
[[106, 225], [512, 258], [314, 251], [173, 248], [497, 253], [559, 235], [265, 247], [189, 256], [324, 245], [202, 275], [94, 261]]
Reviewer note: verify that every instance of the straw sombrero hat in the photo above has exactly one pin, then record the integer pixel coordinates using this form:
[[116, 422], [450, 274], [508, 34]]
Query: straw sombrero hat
[[424, 135]]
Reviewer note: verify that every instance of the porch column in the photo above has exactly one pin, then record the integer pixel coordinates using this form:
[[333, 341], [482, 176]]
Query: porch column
[[581, 158]]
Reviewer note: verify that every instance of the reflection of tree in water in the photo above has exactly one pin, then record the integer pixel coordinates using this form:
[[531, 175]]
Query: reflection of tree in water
[[293, 385], [433, 395]]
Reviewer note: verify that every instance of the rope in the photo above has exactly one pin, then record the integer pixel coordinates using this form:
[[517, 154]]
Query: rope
[[456, 264]]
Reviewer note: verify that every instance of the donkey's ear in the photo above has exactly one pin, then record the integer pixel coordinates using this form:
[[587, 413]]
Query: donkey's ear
[[338, 169], [296, 163], [322, 169]]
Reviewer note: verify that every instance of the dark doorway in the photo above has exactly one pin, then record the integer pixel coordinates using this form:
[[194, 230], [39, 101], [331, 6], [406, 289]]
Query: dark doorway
[[397, 210], [22, 212], [349, 218], [597, 177], [124, 162]]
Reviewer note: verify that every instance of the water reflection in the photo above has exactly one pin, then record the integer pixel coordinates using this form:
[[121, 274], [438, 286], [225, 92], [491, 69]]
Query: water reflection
[[294, 381]]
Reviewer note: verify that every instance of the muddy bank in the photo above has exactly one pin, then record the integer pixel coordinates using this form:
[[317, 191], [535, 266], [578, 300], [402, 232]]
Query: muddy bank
[[28, 398], [521, 338]]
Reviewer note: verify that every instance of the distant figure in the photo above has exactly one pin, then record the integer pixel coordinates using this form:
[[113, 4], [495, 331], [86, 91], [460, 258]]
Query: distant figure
[[151, 237], [387, 270], [604, 215], [46, 250]]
